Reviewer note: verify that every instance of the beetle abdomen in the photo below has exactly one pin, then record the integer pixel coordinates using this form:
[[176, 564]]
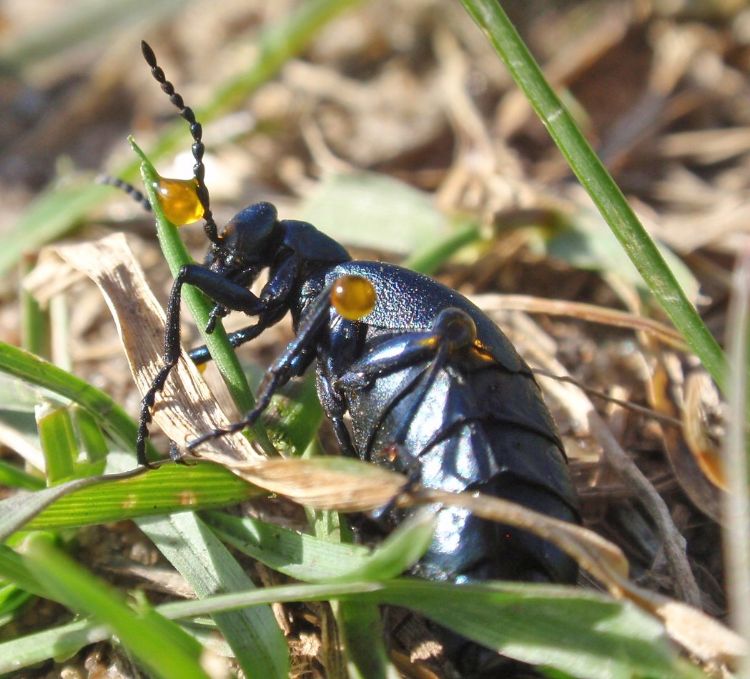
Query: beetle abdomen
[[477, 427]]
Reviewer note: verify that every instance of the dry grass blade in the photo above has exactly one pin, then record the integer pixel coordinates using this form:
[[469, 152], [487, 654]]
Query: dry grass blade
[[691, 454], [186, 408], [585, 418], [582, 311], [333, 483], [604, 560], [701, 635], [737, 499]]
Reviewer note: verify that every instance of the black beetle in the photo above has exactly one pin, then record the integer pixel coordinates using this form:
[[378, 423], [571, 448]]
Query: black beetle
[[423, 373]]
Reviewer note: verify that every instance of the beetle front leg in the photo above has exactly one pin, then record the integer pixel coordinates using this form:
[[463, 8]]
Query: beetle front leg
[[218, 288]]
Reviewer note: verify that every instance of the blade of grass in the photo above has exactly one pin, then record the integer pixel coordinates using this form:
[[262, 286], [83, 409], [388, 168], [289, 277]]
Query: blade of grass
[[362, 635], [54, 212], [594, 177], [314, 559], [20, 508], [91, 436], [577, 631], [57, 642], [358, 623], [14, 477], [170, 488], [294, 417], [160, 644], [208, 567], [430, 258], [35, 328], [13, 568], [581, 632], [736, 499], [80, 22], [300, 556], [12, 599], [58, 442], [57, 211], [193, 549], [29, 368]]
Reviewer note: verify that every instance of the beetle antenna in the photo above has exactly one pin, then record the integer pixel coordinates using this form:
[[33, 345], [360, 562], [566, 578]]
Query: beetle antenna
[[196, 131], [134, 193]]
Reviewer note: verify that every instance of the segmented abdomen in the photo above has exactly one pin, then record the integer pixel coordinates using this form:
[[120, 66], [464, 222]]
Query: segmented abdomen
[[477, 427]]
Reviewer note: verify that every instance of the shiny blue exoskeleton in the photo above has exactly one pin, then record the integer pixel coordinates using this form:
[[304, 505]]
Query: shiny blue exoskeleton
[[467, 418]]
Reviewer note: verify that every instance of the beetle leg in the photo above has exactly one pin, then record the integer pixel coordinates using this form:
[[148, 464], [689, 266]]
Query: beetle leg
[[219, 311], [452, 331], [271, 299], [266, 319], [282, 369], [216, 287], [281, 281], [334, 409], [222, 290]]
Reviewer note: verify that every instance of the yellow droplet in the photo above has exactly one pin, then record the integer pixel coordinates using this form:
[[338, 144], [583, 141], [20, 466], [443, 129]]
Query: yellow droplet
[[353, 297], [179, 200]]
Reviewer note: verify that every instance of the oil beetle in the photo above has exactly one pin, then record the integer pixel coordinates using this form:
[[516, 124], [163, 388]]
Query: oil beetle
[[421, 371]]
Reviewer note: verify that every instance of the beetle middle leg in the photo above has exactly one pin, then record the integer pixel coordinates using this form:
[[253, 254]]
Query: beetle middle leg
[[292, 362], [452, 332]]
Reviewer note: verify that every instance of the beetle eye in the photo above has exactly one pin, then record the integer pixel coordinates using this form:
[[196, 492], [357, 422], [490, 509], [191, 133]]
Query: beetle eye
[[353, 297], [179, 200]]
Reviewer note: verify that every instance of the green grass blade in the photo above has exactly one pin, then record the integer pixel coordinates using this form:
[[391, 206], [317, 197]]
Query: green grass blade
[[430, 258], [358, 623], [594, 177], [14, 477], [91, 436], [313, 559], [58, 442], [85, 21], [58, 642], [362, 634], [193, 549], [53, 213], [12, 599], [577, 631], [13, 568], [294, 417], [300, 556], [35, 321], [29, 368], [158, 643], [170, 488], [18, 509]]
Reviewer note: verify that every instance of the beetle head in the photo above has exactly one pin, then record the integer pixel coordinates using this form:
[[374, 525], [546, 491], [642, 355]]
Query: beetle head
[[248, 240]]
